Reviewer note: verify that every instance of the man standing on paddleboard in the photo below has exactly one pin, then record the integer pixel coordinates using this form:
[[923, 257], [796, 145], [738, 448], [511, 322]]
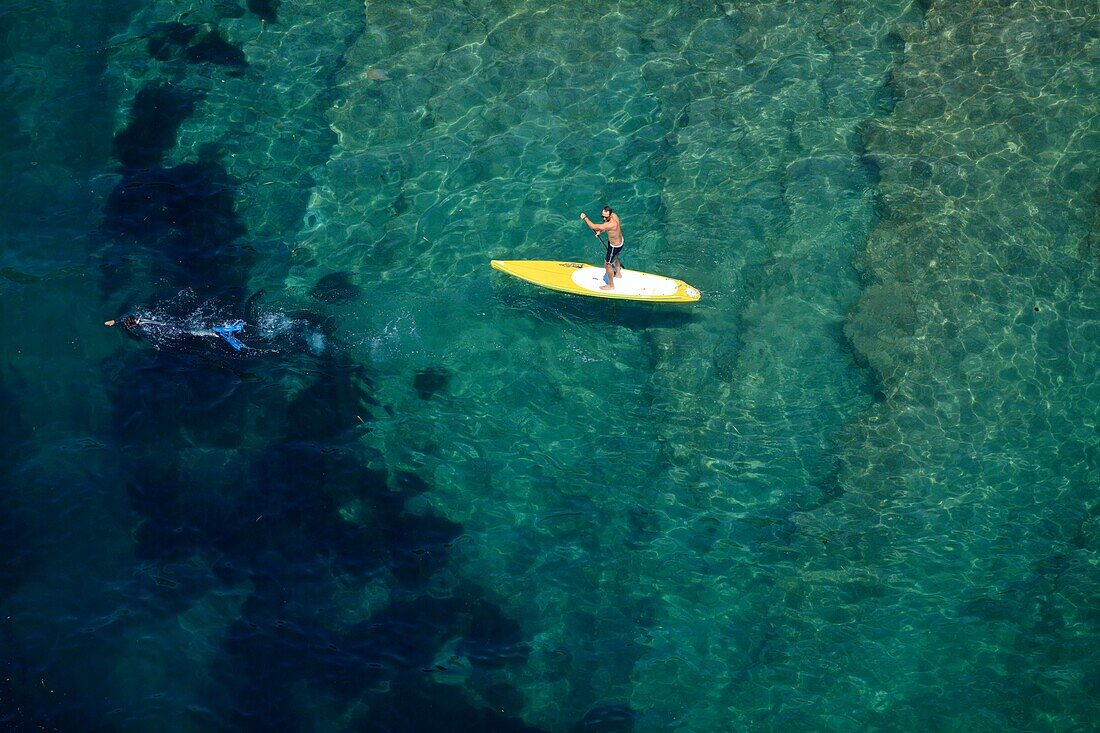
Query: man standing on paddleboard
[[614, 228]]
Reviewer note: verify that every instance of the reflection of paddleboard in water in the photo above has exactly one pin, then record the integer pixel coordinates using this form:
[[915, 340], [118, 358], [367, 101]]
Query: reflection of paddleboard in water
[[160, 331]]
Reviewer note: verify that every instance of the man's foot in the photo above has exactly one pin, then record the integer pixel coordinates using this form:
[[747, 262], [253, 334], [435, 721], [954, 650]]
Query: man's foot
[[607, 287]]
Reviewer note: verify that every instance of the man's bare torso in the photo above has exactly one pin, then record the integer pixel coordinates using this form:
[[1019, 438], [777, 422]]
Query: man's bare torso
[[615, 234]]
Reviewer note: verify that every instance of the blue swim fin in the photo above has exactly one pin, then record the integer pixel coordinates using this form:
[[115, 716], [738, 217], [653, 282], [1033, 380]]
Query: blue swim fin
[[227, 331]]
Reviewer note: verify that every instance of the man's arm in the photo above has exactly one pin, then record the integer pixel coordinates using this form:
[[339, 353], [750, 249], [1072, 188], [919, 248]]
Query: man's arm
[[597, 227]]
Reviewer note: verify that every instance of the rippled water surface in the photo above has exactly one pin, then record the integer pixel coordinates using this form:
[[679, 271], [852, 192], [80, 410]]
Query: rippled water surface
[[853, 488]]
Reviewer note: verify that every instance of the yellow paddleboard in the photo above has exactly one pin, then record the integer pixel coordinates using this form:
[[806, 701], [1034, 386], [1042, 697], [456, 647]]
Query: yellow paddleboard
[[581, 279]]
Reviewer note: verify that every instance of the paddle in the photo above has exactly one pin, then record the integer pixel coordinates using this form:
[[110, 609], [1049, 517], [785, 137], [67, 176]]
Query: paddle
[[600, 239], [595, 232]]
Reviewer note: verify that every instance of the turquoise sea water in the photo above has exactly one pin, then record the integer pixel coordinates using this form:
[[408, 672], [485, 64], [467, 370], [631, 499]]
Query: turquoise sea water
[[853, 488]]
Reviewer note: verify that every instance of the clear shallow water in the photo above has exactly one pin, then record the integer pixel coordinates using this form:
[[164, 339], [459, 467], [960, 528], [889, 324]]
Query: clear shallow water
[[852, 488]]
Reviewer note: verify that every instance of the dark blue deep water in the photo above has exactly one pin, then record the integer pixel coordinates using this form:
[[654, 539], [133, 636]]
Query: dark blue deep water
[[854, 488]]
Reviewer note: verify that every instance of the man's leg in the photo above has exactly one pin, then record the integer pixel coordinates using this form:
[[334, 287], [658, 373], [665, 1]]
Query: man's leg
[[609, 277], [616, 261]]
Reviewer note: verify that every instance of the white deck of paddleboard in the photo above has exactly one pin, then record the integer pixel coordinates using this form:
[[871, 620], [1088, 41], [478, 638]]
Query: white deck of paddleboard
[[630, 283]]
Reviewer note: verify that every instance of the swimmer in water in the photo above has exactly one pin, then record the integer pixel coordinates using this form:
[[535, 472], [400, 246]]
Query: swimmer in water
[[226, 332], [127, 322]]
